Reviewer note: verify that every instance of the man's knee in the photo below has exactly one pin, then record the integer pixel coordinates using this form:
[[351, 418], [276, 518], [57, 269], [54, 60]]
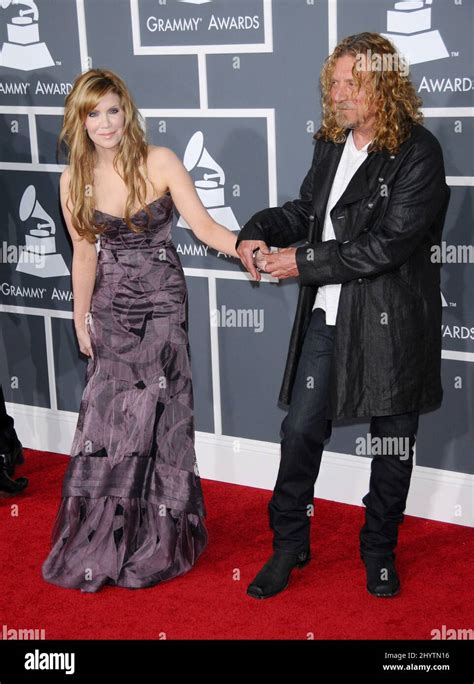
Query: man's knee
[[297, 427]]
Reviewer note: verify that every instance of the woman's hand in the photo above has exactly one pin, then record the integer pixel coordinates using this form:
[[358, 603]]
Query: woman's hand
[[84, 340], [246, 251]]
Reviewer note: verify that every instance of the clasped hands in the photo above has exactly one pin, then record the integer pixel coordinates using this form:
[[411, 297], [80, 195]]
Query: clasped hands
[[257, 257]]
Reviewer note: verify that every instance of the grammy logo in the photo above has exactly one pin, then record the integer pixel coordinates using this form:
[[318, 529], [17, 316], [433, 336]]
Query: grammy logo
[[40, 240], [211, 187], [23, 49], [409, 28]]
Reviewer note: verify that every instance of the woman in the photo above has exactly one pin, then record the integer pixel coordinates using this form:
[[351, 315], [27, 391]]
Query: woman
[[132, 511]]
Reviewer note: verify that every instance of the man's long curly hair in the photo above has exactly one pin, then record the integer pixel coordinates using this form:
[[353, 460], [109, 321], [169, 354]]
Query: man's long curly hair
[[129, 162], [397, 105]]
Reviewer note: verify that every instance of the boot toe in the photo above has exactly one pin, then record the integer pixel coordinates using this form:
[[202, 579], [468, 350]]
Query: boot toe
[[382, 577], [275, 574], [385, 589], [255, 590]]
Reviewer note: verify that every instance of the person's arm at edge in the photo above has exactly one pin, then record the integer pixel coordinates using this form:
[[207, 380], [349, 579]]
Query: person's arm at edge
[[84, 265]]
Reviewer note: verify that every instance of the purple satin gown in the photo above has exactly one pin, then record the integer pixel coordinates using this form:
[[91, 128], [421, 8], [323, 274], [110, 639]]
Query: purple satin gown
[[132, 510]]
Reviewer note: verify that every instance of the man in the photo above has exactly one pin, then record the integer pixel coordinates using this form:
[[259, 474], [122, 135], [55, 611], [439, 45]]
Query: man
[[11, 453], [366, 340]]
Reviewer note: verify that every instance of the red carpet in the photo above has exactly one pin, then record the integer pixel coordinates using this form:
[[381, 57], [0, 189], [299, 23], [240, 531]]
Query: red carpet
[[326, 599]]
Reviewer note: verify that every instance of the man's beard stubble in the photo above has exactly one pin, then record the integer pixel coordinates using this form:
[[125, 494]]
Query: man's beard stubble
[[344, 121]]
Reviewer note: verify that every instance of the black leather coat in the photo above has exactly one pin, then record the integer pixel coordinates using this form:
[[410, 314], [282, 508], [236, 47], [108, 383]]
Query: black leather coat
[[387, 353]]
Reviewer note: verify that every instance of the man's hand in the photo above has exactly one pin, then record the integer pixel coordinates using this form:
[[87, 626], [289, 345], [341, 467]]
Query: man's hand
[[282, 264], [245, 251]]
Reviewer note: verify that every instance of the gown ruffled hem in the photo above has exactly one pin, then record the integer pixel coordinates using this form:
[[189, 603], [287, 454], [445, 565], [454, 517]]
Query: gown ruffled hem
[[124, 542]]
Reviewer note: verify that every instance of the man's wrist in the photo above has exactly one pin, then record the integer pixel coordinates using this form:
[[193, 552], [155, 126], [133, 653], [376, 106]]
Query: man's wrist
[[304, 257]]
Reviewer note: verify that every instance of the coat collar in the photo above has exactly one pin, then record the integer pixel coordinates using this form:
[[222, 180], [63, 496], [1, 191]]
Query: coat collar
[[360, 185]]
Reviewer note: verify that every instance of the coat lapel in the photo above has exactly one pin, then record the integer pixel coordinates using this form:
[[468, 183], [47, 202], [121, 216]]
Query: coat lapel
[[361, 184], [322, 183]]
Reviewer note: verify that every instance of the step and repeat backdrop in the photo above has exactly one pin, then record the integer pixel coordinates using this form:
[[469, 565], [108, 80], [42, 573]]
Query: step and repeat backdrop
[[232, 86]]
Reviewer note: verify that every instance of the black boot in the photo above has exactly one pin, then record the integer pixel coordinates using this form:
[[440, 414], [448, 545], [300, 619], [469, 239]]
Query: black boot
[[275, 574], [382, 577], [7, 485], [13, 457]]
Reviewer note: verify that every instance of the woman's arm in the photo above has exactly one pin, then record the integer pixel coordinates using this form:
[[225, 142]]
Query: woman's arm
[[171, 169], [84, 264]]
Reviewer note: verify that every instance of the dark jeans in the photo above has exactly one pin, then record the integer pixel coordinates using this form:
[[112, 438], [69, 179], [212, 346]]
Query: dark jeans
[[7, 431], [304, 431]]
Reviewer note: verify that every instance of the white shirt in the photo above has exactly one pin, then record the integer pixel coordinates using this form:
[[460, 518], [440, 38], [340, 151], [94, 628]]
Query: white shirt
[[327, 297]]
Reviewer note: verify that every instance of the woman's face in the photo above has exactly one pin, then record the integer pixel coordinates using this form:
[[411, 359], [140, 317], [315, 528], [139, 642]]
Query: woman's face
[[105, 123]]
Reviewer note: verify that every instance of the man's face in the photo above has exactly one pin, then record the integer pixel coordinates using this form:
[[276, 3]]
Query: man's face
[[350, 106]]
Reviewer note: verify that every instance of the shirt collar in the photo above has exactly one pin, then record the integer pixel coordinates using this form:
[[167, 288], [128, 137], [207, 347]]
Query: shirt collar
[[352, 146]]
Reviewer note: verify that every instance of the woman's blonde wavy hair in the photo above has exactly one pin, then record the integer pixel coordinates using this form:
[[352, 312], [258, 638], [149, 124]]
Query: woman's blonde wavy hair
[[129, 162], [397, 105]]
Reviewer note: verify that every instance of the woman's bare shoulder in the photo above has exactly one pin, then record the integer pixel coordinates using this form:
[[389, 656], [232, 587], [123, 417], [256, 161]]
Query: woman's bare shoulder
[[161, 155], [65, 176]]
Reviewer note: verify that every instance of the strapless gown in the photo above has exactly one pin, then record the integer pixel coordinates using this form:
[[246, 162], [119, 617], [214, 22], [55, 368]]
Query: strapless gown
[[132, 510]]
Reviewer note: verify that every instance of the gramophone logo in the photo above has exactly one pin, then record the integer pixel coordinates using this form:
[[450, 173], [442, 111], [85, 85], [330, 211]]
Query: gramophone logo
[[40, 240], [23, 48], [210, 187], [409, 28]]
